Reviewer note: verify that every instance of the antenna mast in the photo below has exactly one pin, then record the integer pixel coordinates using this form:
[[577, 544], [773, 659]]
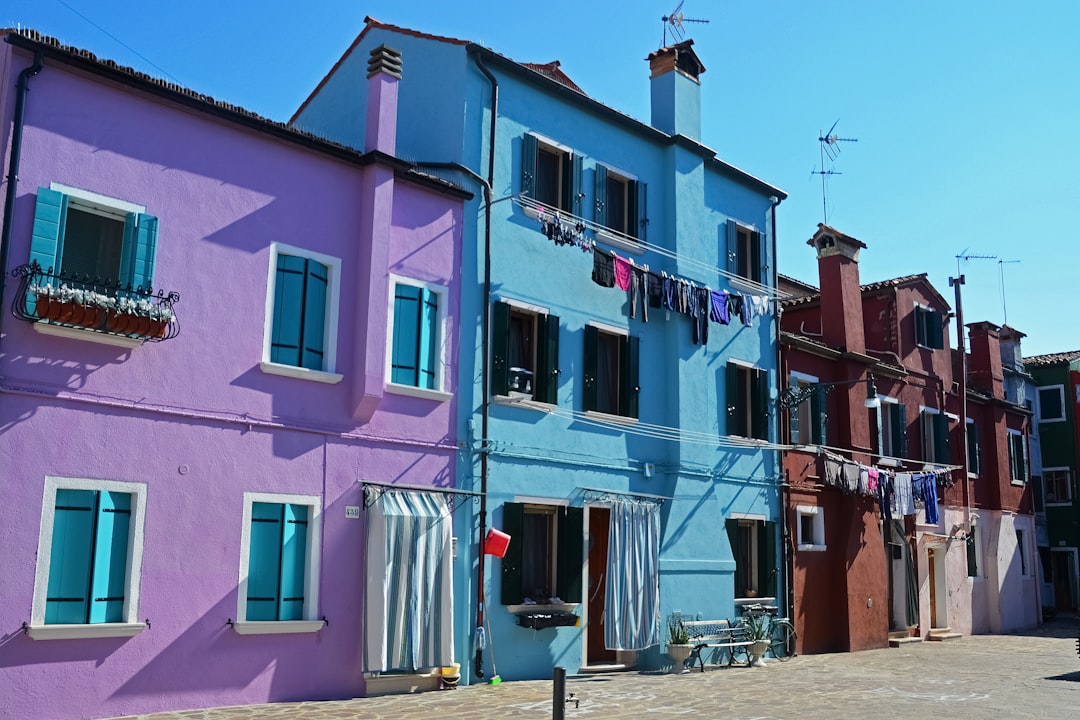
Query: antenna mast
[[676, 19], [1001, 276], [829, 145]]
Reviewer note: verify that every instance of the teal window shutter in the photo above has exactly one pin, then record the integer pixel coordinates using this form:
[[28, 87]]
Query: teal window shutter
[[264, 560], [733, 402], [108, 587], [528, 166], [546, 382], [590, 368], [793, 424], [732, 247], [899, 429], [757, 257], [288, 310], [293, 561], [571, 554], [819, 418], [429, 339], [600, 196], [46, 242], [630, 348], [766, 558], [145, 252], [639, 216], [406, 350], [316, 282], [941, 438], [500, 348], [513, 524], [973, 447], [577, 185], [935, 328], [67, 599], [759, 404]]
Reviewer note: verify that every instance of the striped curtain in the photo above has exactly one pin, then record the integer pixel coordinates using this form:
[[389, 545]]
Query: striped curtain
[[409, 603], [632, 602]]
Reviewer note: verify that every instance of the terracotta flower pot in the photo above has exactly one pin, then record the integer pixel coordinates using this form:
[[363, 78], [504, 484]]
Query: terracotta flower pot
[[64, 311], [158, 328], [44, 305]]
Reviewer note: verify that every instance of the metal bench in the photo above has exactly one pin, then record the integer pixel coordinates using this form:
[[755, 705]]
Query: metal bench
[[719, 634]]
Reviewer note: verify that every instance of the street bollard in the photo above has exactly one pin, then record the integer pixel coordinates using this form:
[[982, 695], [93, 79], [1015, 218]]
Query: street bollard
[[558, 695]]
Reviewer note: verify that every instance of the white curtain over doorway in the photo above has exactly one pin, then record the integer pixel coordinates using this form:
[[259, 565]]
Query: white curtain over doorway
[[632, 601]]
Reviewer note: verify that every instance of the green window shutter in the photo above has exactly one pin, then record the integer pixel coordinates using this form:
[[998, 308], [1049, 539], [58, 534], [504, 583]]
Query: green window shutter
[[941, 438], [879, 415], [1023, 458], [899, 430], [973, 447], [569, 188], [629, 351], [733, 401], [546, 382], [429, 338], [819, 417], [264, 561], [641, 217], [600, 196], [293, 562], [500, 348], [513, 523], [732, 263], [632, 208], [109, 576], [757, 255], [577, 185], [793, 424], [288, 307], [67, 599], [739, 578], [46, 242], [571, 554], [316, 282], [407, 322], [590, 368], [528, 166], [767, 558], [935, 330], [759, 404]]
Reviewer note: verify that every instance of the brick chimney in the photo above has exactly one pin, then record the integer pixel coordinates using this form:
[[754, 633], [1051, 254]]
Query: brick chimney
[[384, 72], [841, 298], [984, 362], [676, 90]]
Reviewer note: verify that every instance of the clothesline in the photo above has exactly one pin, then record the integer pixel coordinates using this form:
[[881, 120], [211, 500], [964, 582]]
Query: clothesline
[[897, 493], [934, 467]]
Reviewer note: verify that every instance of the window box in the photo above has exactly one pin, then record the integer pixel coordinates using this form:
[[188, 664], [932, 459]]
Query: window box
[[544, 620]]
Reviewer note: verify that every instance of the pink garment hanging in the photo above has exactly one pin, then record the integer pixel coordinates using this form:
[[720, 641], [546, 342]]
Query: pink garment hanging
[[623, 270]]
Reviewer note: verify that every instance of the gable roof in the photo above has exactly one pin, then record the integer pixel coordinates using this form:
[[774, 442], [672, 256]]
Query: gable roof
[[551, 70], [1062, 358], [874, 287]]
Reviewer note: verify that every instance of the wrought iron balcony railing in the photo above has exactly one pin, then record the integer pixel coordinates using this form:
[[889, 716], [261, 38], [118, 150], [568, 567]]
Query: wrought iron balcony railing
[[94, 305]]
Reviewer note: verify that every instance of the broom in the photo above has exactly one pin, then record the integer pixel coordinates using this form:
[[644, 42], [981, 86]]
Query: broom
[[495, 679]]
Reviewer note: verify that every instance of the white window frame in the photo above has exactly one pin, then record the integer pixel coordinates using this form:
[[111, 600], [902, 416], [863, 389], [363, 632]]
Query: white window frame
[[97, 203], [440, 392], [130, 626], [1010, 434], [923, 435], [310, 623], [1038, 398], [885, 421], [330, 332], [818, 515], [969, 427], [926, 308], [980, 563], [610, 417], [798, 379], [1068, 486]]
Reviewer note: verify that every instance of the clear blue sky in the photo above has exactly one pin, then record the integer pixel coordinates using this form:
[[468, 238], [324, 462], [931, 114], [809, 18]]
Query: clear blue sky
[[967, 113]]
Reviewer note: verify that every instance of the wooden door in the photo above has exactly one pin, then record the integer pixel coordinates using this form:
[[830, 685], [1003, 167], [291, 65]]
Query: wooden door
[[930, 566], [599, 519]]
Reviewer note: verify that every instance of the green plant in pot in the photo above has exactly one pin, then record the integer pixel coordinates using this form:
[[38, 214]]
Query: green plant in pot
[[757, 629], [679, 647]]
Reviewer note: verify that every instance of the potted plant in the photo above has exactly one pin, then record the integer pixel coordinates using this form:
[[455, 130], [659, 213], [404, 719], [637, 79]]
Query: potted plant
[[757, 629], [679, 647]]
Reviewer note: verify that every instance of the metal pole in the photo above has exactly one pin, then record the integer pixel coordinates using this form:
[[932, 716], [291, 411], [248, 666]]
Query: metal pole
[[558, 694], [956, 283]]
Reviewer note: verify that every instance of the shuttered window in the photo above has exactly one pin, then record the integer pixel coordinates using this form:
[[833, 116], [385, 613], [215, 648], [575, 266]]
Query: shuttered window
[[745, 252], [619, 203], [299, 317], [610, 373], [524, 353], [753, 547], [747, 400], [277, 561], [1018, 463], [551, 175], [416, 337], [546, 552], [929, 328]]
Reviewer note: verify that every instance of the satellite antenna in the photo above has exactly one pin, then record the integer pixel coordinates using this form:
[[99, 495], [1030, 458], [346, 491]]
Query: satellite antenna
[[1001, 275], [676, 19], [829, 146]]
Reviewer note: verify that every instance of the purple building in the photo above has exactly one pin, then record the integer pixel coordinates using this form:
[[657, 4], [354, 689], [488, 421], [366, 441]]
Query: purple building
[[221, 339]]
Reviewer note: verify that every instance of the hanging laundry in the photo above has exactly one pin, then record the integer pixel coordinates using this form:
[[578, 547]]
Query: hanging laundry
[[639, 287], [603, 273], [682, 297], [656, 290], [623, 269], [903, 497], [851, 477], [884, 491], [702, 309], [761, 305], [747, 311], [670, 292], [929, 497], [833, 471], [864, 480], [872, 480], [718, 311]]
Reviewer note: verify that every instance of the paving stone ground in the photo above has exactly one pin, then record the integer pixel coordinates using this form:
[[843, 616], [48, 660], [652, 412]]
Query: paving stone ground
[[1035, 674]]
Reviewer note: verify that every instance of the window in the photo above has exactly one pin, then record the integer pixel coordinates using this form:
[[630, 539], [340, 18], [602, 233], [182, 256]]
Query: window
[[892, 428], [524, 352], [972, 447], [973, 554], [302, 309], [551, 175], [747, 402], [1058, 486], [808, 419], [1018, 464], [90, 237], [1037, 494], [620, 203], [929, 328], [753, 545], [416, 342], [89, 559], [545, 555], [811, 530], [279, 564], [1021, 550], [1052, 403], [745, 253], [935, 436], [610, 372]]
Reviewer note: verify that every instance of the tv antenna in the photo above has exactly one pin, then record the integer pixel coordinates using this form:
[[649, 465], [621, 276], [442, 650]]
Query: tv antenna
[[1001, 276], [676, 19], [829, 145], [964, 256]]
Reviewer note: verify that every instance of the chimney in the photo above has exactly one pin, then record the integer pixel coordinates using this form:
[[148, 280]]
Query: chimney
[[676, 90], [841, 297], [984, 362], [384, 72]]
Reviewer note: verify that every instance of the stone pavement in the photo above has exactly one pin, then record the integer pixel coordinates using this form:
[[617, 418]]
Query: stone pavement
[[1030, 675]]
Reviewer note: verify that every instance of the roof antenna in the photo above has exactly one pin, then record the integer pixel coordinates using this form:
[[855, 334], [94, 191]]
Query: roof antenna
[[1001, 275], [676, 19], [829, 145]]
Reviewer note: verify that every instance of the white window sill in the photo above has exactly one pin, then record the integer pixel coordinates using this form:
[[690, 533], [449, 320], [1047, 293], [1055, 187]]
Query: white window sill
[[625, 244], [278, 627], [769, 600], [888, 462], [418, 392], [88, 335], [1065, 503], [745, 286], [76, 632], [614, 419], [1051, 420], [1018, 483], [272, 368], [536, 608], [811, 548]]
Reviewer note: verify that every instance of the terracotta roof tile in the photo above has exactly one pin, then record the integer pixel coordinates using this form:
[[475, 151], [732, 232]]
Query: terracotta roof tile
[[1052, 359]]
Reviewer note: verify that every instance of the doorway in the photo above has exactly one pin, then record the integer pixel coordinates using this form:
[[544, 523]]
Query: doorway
[[1064, 578], [595, 651], [939, 615]]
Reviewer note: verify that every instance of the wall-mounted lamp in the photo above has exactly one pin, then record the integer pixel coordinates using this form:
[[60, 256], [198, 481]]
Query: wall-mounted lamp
[[794, 396]]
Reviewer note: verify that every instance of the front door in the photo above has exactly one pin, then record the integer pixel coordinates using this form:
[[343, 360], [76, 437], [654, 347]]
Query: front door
[[599, 520], [933, 587], [1063, 580]]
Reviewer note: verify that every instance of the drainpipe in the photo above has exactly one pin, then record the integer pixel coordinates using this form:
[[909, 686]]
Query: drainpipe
[[22, 89], [785, 487]]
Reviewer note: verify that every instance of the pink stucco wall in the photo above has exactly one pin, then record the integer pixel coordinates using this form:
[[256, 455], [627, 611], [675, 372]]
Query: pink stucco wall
[[195, 418]]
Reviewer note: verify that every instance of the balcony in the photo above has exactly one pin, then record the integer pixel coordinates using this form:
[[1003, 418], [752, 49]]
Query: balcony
[[93, 309]]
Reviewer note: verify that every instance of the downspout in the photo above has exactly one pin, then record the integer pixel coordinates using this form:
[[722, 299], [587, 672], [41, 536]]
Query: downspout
[[788, 561], [22, 89]]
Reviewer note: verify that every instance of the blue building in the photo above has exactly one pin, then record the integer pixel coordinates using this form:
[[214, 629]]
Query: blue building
[[621, 422]]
